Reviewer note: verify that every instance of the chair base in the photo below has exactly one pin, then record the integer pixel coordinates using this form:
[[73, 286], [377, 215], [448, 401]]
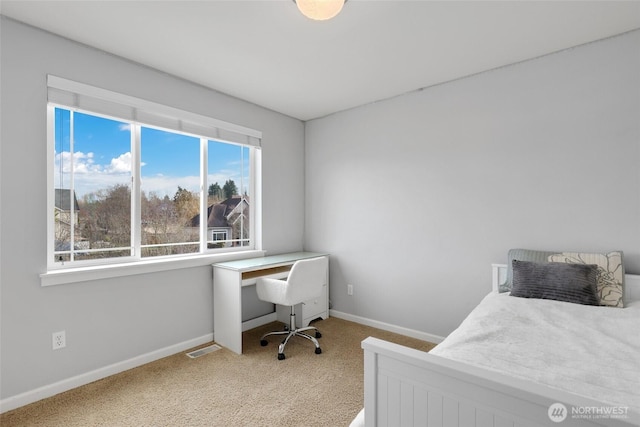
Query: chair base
[[293, 332]]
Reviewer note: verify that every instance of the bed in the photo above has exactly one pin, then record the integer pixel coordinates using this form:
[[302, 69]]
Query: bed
[[514, 362]]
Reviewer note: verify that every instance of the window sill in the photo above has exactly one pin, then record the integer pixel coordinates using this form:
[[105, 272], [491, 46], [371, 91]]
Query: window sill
[[96, 272]]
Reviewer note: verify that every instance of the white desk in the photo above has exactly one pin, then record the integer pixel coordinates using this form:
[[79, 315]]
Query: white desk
[[230, 277]]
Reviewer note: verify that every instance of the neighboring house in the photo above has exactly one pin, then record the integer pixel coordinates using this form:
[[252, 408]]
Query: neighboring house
[[63, 207], [221, 219], [65, 217]]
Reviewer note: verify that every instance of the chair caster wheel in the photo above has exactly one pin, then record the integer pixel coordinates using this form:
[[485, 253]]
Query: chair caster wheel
[[318, 350], [318, 334], [280, 356], [264, 342]]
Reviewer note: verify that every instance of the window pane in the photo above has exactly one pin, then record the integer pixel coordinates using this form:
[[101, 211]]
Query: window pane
[[170, 199], [102, 182], [97, 202], [92, 184], [228, 195], [62, 185]]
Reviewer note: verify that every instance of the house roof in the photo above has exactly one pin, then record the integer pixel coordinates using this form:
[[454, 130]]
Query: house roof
[[218, 214], [63, 200]]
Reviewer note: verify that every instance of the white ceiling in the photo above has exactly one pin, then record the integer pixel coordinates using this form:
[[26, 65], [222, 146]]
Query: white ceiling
[[267, 53]]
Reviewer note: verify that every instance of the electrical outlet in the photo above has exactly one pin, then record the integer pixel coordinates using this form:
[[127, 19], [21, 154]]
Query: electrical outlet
[[349, 289], [59, 340]]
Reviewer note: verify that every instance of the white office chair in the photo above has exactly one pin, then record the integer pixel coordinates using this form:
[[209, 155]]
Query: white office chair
[[306, 280]]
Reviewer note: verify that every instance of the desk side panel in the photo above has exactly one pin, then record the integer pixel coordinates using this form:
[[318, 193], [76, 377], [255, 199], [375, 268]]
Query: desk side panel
[[227, 308]]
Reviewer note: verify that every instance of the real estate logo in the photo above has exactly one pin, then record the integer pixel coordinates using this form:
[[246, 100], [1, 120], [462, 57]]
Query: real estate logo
[[557, 412]]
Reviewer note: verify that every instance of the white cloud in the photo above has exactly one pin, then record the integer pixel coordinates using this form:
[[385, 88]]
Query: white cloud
[[163, 185], [121, 164], [82, 163], [92, 177]]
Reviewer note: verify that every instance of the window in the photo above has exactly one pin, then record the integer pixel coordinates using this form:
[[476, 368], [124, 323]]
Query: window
[[124, 189]]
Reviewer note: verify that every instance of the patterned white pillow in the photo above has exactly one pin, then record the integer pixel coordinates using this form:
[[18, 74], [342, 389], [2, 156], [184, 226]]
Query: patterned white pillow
[[610, 282]]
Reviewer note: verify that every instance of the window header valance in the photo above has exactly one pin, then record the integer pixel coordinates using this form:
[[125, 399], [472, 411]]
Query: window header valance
[[93, 99]]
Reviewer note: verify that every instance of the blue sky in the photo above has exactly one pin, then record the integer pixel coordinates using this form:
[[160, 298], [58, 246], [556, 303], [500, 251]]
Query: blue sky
[[102, 157]]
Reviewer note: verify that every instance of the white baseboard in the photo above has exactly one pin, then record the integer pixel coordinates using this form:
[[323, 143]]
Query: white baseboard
[[436, 339], [43, 392]]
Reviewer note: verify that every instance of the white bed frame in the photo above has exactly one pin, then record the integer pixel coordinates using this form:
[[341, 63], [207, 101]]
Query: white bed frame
[[407, 387]]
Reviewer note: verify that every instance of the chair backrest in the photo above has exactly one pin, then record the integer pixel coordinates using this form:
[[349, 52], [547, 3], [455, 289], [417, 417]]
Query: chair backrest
[[306, 279]]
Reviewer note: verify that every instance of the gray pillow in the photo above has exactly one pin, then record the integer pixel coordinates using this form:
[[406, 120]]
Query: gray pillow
[[522, 255], [575, 283]]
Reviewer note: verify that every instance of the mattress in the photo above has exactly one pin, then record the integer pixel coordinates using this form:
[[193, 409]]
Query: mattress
[[590, 351]]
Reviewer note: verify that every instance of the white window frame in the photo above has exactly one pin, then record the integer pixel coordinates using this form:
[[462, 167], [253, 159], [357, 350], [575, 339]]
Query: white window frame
[[99, 102]]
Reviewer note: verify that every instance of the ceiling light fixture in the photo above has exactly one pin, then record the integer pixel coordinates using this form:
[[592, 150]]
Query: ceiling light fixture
[[320, 10]]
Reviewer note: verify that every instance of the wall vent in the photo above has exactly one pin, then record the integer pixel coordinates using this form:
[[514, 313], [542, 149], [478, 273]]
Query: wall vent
[[203, 351]]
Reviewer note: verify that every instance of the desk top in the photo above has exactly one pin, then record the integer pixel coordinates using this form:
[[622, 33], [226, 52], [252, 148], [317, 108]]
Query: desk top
[[267, 261]]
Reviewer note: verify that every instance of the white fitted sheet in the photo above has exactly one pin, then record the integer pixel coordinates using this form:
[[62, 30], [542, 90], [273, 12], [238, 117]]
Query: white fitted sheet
[[587, 350]]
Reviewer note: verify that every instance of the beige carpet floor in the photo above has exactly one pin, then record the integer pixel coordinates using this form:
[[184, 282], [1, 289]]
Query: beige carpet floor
[[226, 389]]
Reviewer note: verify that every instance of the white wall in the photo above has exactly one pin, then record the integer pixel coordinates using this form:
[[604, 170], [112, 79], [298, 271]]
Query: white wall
[[416, 196], [108, 321]]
